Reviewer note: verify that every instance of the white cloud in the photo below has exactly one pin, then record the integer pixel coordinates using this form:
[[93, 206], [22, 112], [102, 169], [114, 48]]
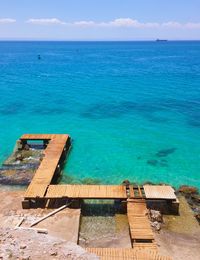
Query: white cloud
[[119, 22], [84, 23], [172, 24], [44, 21], [125, 22], [128, 22], [7, 20], [192, 25]]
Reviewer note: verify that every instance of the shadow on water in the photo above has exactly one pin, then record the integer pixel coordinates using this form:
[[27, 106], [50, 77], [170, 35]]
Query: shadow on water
[[12, 108], [101, 208], [190, 109], [165, 152]]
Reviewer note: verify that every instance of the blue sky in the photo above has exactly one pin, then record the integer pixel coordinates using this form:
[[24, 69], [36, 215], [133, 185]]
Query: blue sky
[[100, 19]]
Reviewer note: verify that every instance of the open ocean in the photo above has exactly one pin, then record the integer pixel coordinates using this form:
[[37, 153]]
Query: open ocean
[[132, 108]]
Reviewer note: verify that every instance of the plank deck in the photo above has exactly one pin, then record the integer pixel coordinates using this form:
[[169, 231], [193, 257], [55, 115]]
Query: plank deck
[[159, 192], [140, 228], [87, 191], [127, 254]]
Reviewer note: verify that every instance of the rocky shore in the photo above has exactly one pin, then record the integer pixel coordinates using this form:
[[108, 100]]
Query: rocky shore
[[20, 167], [193, 198]]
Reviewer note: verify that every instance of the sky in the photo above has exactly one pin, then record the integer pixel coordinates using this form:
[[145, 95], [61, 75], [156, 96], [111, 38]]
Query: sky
[[99, 19]]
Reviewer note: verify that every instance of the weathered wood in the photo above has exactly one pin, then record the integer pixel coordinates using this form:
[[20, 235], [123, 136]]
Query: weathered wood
[[86, 191], [50, 214], [127, 254], [39, 230], [164, 192], [19, 223], [140, 228]]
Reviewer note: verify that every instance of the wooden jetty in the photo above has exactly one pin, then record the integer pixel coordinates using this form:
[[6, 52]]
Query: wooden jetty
[[43, 189], [57, 146]]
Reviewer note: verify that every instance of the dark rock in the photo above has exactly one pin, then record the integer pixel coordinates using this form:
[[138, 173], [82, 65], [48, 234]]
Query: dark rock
[[153, 162], [195, 198], [198, 217], [165, 152], [26, 147], [188, 189], [90, 181], [126, 183], [163, 164]]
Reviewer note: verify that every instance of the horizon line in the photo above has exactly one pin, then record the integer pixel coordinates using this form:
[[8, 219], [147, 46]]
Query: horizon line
[[99, 40]]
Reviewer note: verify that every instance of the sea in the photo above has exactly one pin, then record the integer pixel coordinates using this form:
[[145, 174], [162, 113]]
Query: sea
[[132, 109]]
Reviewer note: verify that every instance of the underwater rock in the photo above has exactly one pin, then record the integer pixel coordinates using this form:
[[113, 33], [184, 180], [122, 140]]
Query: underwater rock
[[163, 164], [19, 168], [16, 177], [165, 152], [153, 162], [67, 179], [90, 181]]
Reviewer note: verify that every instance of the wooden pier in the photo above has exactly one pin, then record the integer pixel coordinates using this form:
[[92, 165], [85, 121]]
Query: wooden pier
[[57, 146], [43, 189]]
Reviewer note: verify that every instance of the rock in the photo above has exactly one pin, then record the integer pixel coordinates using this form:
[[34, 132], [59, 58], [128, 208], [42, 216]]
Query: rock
[[22, 246], [53, 253], [126, 183], [19, 157], [188, 189], [198, 217], [26, 147], [156, 225], [25, 257], [195, 198], [165, 152], [153, 162], [155, 215]]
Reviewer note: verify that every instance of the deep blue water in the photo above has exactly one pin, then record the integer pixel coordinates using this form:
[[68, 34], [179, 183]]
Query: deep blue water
[[132, 108]]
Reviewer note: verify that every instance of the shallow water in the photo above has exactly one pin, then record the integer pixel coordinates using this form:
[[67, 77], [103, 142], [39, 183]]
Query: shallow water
[[103, 225], [123, 103]]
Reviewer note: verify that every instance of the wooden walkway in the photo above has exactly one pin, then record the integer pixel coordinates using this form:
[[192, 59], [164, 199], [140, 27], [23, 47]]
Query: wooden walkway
[[86, 191], [126, 254], [140, 228], [56, 149]]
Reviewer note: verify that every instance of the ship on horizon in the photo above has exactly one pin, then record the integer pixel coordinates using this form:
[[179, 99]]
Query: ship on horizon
[[161, 40]]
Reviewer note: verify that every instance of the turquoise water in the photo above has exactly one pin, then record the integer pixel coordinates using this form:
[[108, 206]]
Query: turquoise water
[[123, 103]]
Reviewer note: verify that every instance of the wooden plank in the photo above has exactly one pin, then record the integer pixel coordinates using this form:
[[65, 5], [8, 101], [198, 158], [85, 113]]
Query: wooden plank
[[127, 254]]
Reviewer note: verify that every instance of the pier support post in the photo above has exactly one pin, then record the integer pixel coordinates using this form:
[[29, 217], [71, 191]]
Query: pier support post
[[26, 204]]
